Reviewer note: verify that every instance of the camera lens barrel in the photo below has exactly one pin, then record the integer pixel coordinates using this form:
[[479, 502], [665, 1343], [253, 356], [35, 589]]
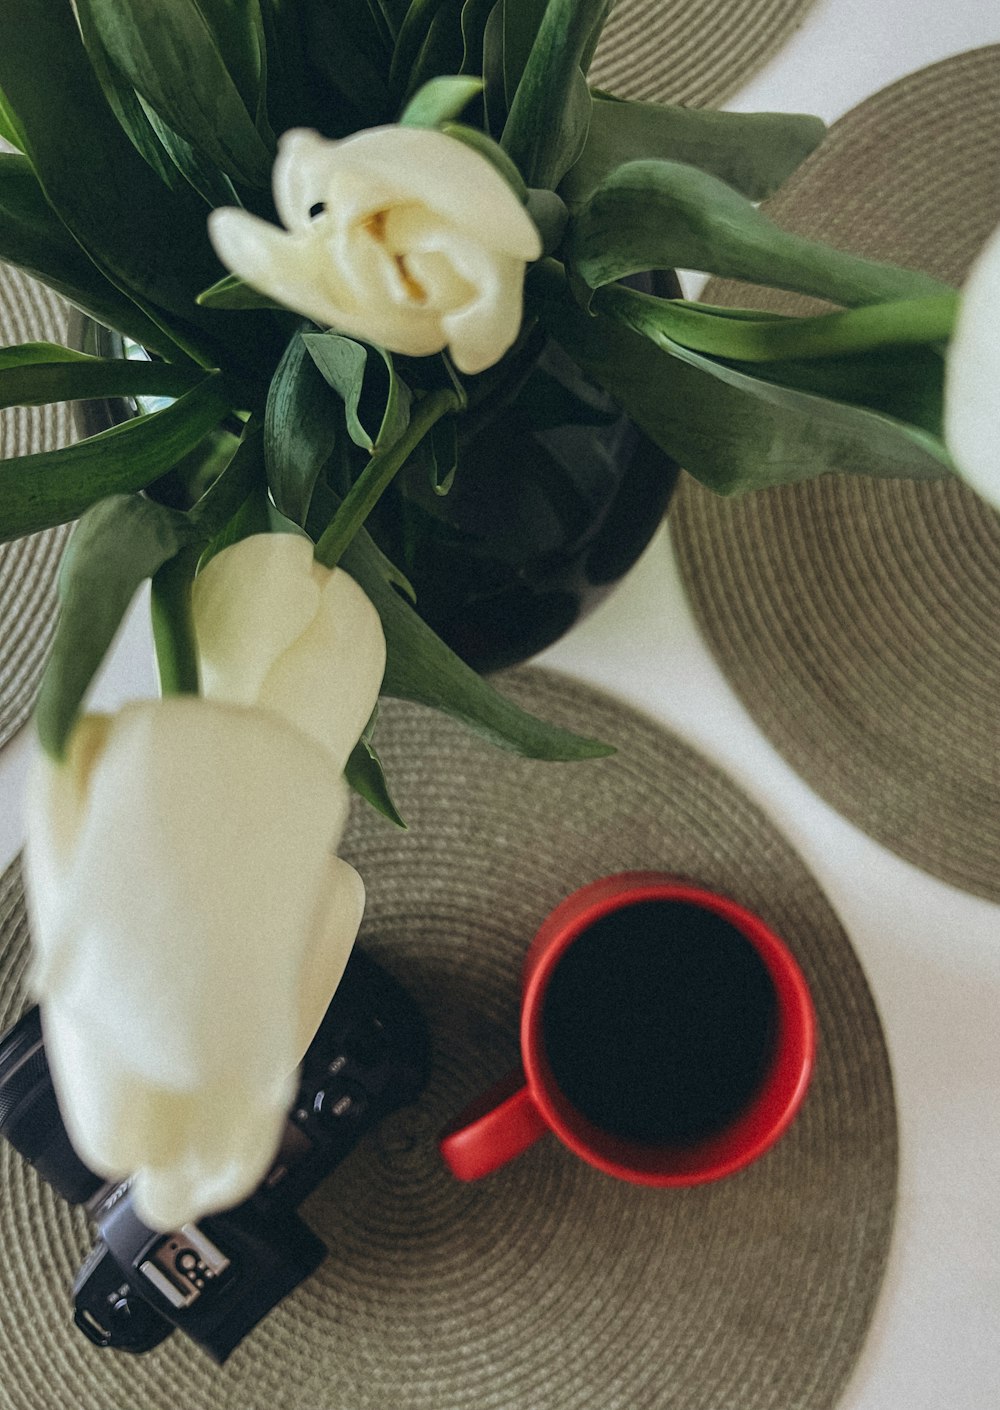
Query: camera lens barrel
[[29, 1113]]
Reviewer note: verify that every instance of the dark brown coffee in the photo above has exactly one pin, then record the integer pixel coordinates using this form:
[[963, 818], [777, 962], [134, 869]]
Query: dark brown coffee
[[659, 1023]]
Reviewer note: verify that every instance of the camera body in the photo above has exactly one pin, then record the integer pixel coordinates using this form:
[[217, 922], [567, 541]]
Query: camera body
[[216, 1279]]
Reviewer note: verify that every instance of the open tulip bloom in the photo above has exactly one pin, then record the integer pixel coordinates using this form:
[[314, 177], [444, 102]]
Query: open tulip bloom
[[339, 232]]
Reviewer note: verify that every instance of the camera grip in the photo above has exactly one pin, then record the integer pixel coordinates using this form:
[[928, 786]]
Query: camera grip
[[496, 1127]]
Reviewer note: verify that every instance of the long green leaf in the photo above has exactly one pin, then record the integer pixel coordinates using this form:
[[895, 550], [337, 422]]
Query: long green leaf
[[52, 487], [34, 374], [149, 241], [547, 126], [440, 100], [521, 22], [34, 239], [665, 215], [344, 364], [189, 60], [755, 152], [421, 668], [475, 14], [300, 427], [771, 338], [126, 105], [731, 430], [114, 548], [345, 47]]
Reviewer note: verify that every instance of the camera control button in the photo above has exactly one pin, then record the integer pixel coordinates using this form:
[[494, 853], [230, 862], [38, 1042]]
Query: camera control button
[[340, 1103]]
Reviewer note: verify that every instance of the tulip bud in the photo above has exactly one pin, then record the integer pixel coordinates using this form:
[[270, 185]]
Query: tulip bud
[[277, 629]]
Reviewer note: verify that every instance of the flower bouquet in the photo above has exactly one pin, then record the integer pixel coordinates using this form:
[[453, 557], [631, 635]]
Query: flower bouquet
[[333, 238]]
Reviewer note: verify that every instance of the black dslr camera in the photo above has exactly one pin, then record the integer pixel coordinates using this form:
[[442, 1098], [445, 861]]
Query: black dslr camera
[[216, 1279]]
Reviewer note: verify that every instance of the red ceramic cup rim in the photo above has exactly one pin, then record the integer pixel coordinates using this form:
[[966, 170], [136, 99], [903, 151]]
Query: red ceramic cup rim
[[779, 1096]]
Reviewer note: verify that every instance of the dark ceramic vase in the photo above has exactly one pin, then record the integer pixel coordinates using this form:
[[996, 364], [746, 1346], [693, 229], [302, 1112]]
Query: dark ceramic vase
[[556, 496]]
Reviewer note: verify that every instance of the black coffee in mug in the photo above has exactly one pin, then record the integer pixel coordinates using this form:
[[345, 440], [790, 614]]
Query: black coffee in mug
[[659, 1023]]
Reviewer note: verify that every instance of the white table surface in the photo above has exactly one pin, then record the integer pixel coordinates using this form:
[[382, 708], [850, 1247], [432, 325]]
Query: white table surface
[[932, 953]]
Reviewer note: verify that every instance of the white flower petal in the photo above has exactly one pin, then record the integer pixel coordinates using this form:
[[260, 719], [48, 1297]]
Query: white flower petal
[[482, 332], [327, 684], [340, 910], [972, 380], [198, 866], [200, 930], [449, 178], [281, 265], [276, 629], [251, 602]]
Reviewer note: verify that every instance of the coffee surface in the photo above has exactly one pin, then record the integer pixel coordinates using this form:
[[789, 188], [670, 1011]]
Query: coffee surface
[[659, 1022]]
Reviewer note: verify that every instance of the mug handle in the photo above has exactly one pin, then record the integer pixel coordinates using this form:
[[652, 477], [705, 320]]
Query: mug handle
[[496, 1127]]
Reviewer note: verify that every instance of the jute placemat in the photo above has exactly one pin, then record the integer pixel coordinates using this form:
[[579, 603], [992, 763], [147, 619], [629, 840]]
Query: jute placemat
[[695, 52], [28, 313], [548, 1286], [858, 619]]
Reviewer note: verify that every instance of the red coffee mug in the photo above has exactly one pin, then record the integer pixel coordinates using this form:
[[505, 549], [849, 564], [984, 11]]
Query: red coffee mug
[[526, 1104]]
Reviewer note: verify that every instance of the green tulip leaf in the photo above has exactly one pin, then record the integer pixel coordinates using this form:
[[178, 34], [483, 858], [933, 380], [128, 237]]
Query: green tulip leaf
[[197, 63], [665, 215], [440, 100], [521, 22], [34, 374], [345, 365], [52, 487], [148, 241], [114, 548], [366, 776], [231, 292], [754, 152], [300, 428], [34, 239], [732, 430], [546, 129], [347, 49], [474, 18], [419, 667]]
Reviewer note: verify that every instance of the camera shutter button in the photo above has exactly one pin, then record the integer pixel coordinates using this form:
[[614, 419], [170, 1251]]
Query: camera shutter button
[[340, 1103]]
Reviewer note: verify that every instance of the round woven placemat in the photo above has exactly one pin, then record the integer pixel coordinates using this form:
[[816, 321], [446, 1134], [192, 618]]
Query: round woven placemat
[[695, 52], [29, 312], [857, 619], [548, 1286]]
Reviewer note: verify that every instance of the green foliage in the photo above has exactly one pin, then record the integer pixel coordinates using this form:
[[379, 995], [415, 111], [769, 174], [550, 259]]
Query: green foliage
[[421, 668], [754, 152], [198, 64], [133, 117], [33, 374], [667, 215], [299, 430], [549, 118], [730, 428], [114, 548], [52, 487], [366, 776]]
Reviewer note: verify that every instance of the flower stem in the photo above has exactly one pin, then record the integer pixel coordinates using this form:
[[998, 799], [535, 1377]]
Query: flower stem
[[364, 494], [173, 624]]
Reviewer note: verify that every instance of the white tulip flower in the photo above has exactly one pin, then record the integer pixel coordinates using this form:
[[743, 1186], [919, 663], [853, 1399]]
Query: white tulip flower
[[972, 379], [190, 924], [190, 918], [277, 629], [401, 236]]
